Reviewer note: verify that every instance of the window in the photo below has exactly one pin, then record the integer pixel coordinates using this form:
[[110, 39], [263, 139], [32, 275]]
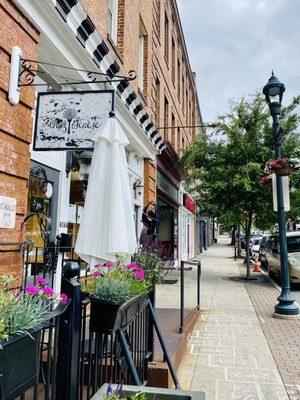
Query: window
[[166, 117], [157, 17], [157, 102], [182, 89], [113, 8], [173, 130], [178, 79], [173, 61], [142, 58], [166, 38]]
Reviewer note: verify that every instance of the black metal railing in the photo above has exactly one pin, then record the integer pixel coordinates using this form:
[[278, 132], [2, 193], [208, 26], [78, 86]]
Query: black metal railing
[[195, 271], [75, 362]]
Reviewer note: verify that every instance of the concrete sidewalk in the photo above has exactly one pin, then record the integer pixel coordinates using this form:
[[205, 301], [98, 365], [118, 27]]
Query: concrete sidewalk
[[227, 354]]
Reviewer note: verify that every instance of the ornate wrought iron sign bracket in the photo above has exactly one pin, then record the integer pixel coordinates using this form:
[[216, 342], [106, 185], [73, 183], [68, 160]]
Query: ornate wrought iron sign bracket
[[23, 72], [30, 68]]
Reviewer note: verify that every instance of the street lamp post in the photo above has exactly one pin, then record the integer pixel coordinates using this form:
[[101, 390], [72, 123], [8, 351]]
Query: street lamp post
[[273, 92]]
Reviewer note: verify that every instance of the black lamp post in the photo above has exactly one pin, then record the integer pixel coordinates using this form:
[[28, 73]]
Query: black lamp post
[[273, 92]]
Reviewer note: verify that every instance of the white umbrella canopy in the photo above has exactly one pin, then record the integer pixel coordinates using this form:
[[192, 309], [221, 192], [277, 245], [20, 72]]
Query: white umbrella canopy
[[107, 225]]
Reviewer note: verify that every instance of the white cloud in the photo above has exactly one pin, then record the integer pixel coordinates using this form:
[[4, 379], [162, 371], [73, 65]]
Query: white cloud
[[235, 44]]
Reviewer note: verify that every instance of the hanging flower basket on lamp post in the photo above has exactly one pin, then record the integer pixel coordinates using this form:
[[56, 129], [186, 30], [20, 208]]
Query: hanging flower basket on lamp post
[[280, 166]]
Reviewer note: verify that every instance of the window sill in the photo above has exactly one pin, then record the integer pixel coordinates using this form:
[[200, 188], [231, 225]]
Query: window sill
[[115, 48]]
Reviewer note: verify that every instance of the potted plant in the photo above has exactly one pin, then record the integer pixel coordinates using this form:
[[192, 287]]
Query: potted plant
[[154, 267], [280, 166], [118, 392], [21, 319], [117, 292]]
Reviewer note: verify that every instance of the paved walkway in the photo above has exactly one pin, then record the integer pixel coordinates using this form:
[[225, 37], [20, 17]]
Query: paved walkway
[[227, 354], [283, 336]]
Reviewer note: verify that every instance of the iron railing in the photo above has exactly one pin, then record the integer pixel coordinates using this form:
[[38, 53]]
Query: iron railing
[[75, 362]]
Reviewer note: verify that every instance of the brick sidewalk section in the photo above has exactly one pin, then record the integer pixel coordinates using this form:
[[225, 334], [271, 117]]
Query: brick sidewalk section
[[227, 355], [283, 336]]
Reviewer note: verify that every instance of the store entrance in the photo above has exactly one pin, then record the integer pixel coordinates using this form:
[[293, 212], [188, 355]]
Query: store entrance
[[168, 230]]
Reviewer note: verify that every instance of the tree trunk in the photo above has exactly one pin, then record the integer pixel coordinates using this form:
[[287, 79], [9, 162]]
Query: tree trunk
[[248, 231], [233, 235], [239, 242]]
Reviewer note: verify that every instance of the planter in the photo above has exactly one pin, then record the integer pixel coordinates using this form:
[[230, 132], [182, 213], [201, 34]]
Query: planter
[[109, 316], [285, 171], [152, 393], [19, 364]]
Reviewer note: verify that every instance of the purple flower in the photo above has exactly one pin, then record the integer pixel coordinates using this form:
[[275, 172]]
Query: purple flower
[[108, 265], [18, 293], [109, 388], [98, 265], [31, 289], [139, 274], [48, 291], [118, 262], [40, 281], [63, 298], [132, 265], [96, 274]]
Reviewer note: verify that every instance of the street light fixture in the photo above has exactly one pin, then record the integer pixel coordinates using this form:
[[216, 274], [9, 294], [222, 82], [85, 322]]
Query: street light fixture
[[273, 92]]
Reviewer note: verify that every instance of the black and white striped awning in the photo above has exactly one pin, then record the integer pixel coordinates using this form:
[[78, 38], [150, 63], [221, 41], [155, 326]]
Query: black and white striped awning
[[81, 25]]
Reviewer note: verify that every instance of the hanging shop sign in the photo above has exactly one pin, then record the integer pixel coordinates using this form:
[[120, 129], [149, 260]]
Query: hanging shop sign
[[70, 120], [189, 203], [7, 212]]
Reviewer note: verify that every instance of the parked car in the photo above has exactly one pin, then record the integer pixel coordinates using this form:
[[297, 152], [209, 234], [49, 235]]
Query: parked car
[[254, 246], [272, 255], [262, 250]]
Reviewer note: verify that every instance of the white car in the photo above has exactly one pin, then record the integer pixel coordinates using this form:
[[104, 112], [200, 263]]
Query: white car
[[254, 246], [272, 254]]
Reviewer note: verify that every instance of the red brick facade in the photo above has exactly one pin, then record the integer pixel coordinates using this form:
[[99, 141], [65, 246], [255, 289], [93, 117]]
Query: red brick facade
[[167, 72], [15, 128]]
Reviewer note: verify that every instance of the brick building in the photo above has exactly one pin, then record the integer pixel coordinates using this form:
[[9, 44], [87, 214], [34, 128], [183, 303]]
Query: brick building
[[114, 37]]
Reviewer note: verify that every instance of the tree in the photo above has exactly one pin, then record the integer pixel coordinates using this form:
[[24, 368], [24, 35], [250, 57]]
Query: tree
[[226, 167]]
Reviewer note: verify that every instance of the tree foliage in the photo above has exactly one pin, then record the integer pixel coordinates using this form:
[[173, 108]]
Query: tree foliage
[[225, 168]]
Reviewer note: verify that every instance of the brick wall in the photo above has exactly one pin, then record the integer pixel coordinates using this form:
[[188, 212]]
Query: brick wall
[[126, 51], [15, 128], [149, 181]]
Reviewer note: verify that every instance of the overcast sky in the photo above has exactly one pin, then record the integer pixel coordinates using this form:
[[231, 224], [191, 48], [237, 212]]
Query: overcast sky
[[234, 45]]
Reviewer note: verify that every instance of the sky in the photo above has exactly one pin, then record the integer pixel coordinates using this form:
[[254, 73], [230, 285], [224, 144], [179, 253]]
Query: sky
[[233, 46]]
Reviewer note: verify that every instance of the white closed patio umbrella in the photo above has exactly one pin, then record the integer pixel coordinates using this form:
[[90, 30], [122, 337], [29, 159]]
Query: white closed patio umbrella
[[107, 224]]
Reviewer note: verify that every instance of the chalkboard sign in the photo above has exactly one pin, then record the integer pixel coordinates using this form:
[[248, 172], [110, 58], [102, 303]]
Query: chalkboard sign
[[70, 120]]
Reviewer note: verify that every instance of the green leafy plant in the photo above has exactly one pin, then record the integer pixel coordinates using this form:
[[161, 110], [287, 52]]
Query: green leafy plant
[[20, 312], [154, 267], [225, 169], [117, 282]]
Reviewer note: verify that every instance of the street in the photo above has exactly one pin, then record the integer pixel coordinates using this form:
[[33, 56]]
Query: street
[[237, 349]]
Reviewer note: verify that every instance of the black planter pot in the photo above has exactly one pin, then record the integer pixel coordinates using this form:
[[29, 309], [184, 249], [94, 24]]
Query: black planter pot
[[19, 364], [109, 316]]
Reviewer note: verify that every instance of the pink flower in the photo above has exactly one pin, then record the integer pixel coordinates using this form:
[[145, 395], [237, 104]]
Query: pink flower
[[31, 289], [98, 265], [48, 291], [132, 265], [276, 166], [63, 298], [139, 274], [18, 293], [40, 281], [118, 262], [96, 274], [108, 265]]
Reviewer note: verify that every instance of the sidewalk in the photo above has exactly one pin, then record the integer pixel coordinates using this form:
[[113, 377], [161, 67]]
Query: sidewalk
[[227, 354]]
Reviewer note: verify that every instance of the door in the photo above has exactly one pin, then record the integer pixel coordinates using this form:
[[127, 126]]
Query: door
[[40, 224]]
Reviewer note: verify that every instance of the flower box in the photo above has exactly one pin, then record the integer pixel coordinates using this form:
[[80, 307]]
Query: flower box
[[109, 316], [152, 393], [19, 364]]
